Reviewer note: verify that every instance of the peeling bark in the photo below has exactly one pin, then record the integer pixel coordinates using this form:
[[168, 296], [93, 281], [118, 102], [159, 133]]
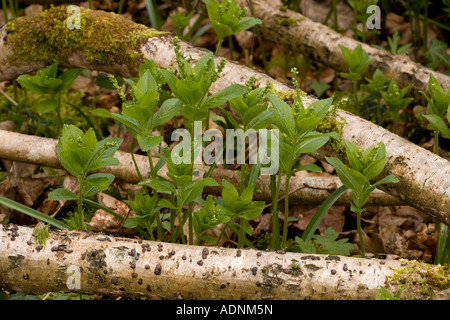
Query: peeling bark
[[130, 268], [321, 43], [305, 190], [428, 191]]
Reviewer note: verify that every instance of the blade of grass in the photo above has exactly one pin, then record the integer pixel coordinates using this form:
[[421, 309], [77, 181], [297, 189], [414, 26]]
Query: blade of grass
[[155, 18], [320, 213], [32, 213]]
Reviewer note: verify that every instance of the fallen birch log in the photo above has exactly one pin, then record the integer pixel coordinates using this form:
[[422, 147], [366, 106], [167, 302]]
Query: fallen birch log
[[300, 34], [76, 261], [303, 190], [424, 177]]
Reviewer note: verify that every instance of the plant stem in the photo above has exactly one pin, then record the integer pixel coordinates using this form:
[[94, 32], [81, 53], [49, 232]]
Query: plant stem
[[191, 227], [180, 218], [425, 26], [119, 11], [172, 222], [259, 37], [241, 235], [230, 39], [219, 45], [275, 186], [361, 239], [355, 90], [286, 211], [5, 11], [131, 146], [90, 4], [436, 142], [80, 203]]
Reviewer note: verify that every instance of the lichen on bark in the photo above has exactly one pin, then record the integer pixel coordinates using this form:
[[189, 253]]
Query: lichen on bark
[[103, 38]]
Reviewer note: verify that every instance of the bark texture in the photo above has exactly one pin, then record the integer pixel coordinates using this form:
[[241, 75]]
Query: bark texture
[[304, 190], [300, 34], [428, 191], [76, 261]]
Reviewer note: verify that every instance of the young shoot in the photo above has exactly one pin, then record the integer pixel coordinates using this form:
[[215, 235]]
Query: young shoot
[[80, 154], [365, 166]]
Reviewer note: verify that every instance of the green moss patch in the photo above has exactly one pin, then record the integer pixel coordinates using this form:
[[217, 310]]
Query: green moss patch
[[104, 38]]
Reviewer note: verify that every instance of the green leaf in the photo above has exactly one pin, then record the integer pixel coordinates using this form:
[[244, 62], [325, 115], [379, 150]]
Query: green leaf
[[103, 81], [147, 143], [438, 123], [68, 77], [345, 174], [159, 185], [246, 23], [437, 54], [311, 144], [62, 194], [166, 204], [47, 106], [329, 245], [224, 95], [229, 193], [168, 110], [320, 213], [32, 213], [100, 181], [388, 179], [319, 87]]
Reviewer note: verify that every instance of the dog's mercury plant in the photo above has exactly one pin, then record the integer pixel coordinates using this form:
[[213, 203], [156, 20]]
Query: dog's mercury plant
[[365, 166], [80, 154]]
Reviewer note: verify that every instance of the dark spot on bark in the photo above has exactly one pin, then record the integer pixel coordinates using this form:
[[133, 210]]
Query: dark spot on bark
[[281, 251], [140, 282], [243, 297], [333, 258], [223, 286], [149, 288], [333, 272], [133, 265], [312, 267], [114, 280], [147, 267], [238, 253], [345, 268], [382, 262], [132, 252], [258, 283], [158, 269], [310, 258], [200, 262], [95, 260], [105, 271], [134, 275], [183, 257], [39, 247], [161, 257], [287, 271], [258, 254], [29, 242], [26, 276], [254, 270], [205, 253]]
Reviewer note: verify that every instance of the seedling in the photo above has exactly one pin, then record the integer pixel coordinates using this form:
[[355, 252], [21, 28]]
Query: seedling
[[375, 87], [394, 44], [47, 82], [394, 98], [147, 213], [80, 154], [206, 219], [227, 19], [366, 165], [238, 207], [297, 137], [357, 62]]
